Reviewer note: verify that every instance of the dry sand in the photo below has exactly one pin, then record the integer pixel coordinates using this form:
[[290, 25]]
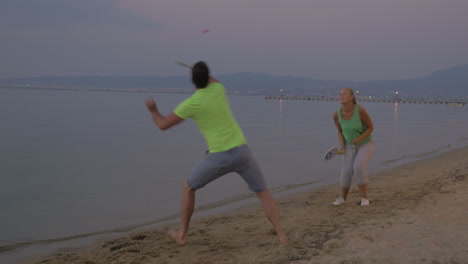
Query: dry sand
[[418, 214]]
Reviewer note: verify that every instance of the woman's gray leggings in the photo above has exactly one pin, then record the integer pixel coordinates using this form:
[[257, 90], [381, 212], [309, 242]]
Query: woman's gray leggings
[[354, 162]]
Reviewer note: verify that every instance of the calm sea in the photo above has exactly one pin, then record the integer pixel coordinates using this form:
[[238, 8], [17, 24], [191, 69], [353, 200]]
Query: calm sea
[[76, 164]]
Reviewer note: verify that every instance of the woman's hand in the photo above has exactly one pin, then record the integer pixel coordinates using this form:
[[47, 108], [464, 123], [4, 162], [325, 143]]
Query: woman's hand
[[340, 151], [356, 141]]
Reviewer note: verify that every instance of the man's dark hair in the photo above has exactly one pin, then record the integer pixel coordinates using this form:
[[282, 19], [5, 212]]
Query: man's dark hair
[[200, 74]]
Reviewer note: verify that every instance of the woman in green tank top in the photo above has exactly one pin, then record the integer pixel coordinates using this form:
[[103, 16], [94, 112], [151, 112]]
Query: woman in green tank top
[[356, 144]]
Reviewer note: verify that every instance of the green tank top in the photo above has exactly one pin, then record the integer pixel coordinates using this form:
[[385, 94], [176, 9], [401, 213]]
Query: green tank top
[[352, 128]]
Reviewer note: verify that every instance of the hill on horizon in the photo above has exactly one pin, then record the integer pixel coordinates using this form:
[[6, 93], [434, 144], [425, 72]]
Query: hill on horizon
[[444, 83]]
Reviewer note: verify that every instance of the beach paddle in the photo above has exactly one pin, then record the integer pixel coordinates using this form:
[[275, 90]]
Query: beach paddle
[[329, 154], [181, 63]]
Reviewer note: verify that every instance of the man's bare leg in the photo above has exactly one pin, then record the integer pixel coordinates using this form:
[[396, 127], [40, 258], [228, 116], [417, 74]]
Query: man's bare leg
[[186, 211], [271, 210]]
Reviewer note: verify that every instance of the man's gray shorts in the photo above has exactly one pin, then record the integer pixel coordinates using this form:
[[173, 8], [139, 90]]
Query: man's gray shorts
[[215, 165]]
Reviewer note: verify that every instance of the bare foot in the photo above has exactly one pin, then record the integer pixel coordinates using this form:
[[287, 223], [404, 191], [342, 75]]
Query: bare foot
[[283, 239], [174, 234]]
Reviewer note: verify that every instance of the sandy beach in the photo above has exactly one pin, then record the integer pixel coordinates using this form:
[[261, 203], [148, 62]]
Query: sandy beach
[[418, 214]]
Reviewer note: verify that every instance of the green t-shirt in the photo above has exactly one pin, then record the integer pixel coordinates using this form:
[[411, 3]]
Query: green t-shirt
[[209, 108], [352, 128]]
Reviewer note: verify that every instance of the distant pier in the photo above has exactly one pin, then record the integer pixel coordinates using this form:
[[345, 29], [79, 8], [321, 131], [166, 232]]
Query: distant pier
[[370, 100]]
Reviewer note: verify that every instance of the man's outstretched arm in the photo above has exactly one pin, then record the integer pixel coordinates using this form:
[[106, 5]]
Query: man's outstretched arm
[[212, 80], [162, 122]]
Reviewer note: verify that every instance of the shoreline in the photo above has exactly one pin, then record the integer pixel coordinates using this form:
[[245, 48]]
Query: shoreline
[[21, 250], [406, 222]]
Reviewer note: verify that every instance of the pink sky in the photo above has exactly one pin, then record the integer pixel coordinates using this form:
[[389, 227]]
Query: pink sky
[[322, 39]]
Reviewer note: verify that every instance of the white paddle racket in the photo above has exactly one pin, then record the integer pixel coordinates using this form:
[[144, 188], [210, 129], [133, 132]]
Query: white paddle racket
[[330, 153], [335, 151]]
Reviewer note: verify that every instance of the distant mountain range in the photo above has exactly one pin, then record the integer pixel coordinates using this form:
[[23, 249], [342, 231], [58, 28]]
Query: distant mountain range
[[446, 83]]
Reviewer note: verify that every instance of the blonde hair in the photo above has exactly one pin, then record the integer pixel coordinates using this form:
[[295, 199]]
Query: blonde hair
[[352, 93]]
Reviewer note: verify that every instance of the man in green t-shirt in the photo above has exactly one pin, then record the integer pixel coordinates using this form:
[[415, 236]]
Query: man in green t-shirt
[[227, 148]]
